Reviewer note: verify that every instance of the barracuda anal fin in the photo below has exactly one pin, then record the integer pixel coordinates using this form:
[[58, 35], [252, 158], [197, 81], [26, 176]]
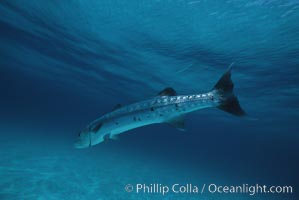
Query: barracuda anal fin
[[178, 123]]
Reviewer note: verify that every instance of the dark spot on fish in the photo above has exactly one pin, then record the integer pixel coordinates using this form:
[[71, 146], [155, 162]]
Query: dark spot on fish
[[212, 98], [152, 109], [176, 106], [134, 118], [139, 119], [161, 115], [116, 123]]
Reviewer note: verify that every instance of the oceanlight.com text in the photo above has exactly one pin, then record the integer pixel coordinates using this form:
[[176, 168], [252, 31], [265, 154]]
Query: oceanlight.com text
[[250, 189]]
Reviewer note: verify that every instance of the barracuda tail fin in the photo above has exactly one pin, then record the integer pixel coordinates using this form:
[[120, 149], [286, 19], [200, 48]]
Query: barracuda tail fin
[[228, 101]]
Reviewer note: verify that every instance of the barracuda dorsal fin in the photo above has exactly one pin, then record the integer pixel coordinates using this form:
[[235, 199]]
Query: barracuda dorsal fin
[[178, 123], [117, 106], [167, 92]]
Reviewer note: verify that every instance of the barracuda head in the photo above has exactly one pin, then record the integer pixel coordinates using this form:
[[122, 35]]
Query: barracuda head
[[90, 136], [83, 140]]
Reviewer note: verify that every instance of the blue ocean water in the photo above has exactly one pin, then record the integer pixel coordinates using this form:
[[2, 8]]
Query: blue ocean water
[[65, 63]]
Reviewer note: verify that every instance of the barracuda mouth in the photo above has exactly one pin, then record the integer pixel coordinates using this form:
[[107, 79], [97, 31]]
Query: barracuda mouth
[[80, 145]]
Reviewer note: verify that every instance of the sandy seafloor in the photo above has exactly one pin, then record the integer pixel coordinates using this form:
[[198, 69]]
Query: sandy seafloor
[[39, 172]]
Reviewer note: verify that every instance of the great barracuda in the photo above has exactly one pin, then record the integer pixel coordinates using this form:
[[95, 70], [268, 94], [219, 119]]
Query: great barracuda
[[166, 107]]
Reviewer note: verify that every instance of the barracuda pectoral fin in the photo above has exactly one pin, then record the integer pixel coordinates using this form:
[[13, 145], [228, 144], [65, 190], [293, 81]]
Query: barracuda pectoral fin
[[113, 137], [167, 92], [110, 136], [106, 137], [178, 123]]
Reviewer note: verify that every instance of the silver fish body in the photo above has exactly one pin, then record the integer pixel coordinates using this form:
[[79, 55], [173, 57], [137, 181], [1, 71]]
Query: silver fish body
[[167, 107]]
